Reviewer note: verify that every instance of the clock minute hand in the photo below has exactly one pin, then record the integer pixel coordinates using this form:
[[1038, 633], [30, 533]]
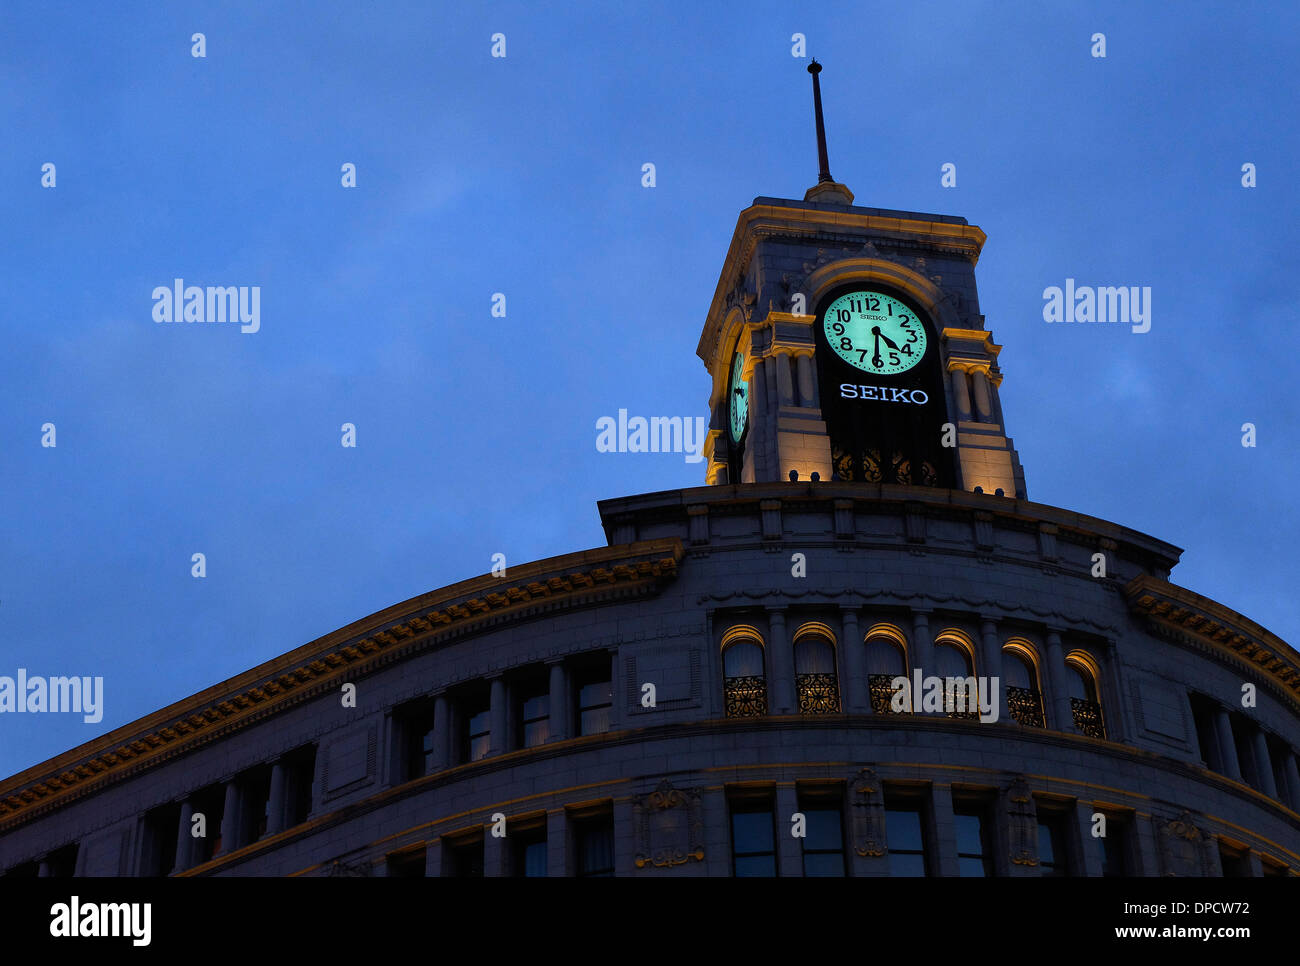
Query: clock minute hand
[[875, 359]]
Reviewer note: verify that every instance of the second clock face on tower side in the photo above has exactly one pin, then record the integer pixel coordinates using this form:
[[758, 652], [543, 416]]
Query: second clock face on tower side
[[874, 332], [738, 394]]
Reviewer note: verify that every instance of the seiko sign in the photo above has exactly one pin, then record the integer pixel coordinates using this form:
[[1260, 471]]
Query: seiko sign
[[883, 394]]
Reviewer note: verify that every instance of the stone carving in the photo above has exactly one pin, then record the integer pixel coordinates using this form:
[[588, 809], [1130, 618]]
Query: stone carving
[[669, 826], [1022, 822], [868, 814], [1182, 846]]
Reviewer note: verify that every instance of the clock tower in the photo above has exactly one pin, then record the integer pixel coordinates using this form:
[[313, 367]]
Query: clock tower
[[847, 342]]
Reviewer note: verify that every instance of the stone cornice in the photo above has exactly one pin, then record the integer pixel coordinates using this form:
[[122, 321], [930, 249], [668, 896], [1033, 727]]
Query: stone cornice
[[837, 223], [1223, 629], [350, 652]]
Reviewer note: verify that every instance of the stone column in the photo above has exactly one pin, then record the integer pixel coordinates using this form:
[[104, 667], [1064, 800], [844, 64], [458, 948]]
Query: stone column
[[1264, 765], [1115, 708], [559, 702], [807, 382], [230, 818], [441, 734], [960, 394], [495, 852], [944, 834], [184, 839], [1227, 747], [784, 384], [922, 649], [275, 806], [1060, 714], [983, 405], [500, 741], [1091, 857], [433, 858], [852, 659], [789, 850], [557, 844], [781, 693], [1292, 772], [991, 658]]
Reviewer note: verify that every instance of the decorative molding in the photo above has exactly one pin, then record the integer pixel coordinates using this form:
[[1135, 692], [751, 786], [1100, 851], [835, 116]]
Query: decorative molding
[[345, 655], [1022, 822], [868, 814], [1182, 846], [669, 826]]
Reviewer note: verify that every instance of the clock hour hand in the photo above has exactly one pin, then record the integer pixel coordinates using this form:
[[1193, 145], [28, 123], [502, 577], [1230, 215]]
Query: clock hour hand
[[891, 343]]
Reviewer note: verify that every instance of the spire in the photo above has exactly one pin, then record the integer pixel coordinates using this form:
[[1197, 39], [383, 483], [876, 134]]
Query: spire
[[827, 188], [825, 173]]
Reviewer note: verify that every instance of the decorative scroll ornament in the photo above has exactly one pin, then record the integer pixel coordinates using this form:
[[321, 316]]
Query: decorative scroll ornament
[[868, 815], [1022, 823], [355, 870], [669, 826]]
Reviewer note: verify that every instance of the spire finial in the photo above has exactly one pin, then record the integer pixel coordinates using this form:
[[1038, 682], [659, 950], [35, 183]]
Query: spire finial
[[824, 175]]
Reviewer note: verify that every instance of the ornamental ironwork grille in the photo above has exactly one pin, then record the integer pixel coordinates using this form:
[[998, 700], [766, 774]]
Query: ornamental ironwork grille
[[882, 693], [957, 696], [746, 696], [818, 693], [1087, 717], [1026, 706]]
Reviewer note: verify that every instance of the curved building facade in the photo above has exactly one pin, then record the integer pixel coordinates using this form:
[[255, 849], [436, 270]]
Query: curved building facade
[[769, 674]]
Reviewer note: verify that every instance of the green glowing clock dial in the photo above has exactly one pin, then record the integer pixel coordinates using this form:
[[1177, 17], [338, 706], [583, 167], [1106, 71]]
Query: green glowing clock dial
[[874, 332], [738, 393]]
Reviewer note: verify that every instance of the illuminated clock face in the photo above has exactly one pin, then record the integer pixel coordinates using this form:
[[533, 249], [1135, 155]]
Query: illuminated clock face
[[738, 393], [874, 332]]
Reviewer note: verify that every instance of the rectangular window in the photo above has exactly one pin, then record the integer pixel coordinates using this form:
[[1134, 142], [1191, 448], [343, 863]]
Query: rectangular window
[[593, 840], [211, 803], [415, 733], [905, 835], [161, 829], [61, 863], [407, 865], [530, 855], [753, 837], [463, 858], [1113, 847], [974, 848], [1235, 860], [593, 691], [535, 720], [255, 800], [1206, 741], [823, 841], [1052, 857], [299, 777]]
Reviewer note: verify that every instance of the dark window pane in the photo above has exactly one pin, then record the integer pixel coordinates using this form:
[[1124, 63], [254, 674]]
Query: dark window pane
[[743, 660], [969, 838], [535, 859], [970, 868], [906, 864], [823, 828], [755, 865], [1112, 847], [752, 832], [596, 847], [904, 830], [823, 864]]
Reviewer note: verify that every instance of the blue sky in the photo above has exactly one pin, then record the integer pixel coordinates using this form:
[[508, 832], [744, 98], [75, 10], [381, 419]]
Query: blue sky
[[522, 175]]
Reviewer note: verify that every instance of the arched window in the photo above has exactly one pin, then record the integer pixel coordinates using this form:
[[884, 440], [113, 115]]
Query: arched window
[[886, 660], [1020, 677], [744, 682], [1081, 675], [814, 668], [954, 662]]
